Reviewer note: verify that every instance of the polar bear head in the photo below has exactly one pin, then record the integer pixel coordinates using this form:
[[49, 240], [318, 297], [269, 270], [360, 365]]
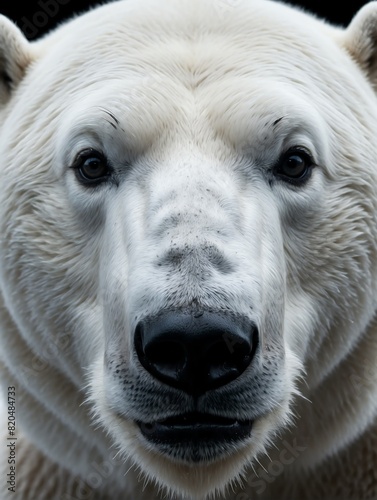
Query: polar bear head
[[188, 221]]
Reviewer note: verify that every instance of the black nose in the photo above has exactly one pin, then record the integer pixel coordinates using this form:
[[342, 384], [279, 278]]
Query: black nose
[[195, 352]]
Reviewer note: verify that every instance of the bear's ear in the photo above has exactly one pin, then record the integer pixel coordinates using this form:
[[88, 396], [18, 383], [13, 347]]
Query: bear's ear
[[360, 39], [15, 56]]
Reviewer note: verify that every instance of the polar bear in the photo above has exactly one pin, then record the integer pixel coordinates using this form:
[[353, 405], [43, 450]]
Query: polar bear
[[188, 254]]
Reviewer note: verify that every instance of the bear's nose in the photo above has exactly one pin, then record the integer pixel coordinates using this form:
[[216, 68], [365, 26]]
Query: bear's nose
[[195, 352]]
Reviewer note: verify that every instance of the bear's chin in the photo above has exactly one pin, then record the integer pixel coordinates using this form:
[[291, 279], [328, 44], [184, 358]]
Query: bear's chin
[[195, 480]]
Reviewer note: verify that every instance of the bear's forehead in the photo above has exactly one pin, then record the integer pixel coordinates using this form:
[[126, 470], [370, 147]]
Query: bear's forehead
[[169, 63], [206, 40]]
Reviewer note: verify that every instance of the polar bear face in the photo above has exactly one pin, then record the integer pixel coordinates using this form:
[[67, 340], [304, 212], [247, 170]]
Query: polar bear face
[[188, 201]]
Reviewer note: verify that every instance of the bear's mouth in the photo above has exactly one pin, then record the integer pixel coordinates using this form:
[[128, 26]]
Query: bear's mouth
[[196, 428]]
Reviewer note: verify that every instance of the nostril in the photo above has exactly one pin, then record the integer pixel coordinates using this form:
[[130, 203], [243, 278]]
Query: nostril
[[169, 358], [225, 360], [195, 352]]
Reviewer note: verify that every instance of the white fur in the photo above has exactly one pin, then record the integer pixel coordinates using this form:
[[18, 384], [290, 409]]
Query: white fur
[[206, 96]]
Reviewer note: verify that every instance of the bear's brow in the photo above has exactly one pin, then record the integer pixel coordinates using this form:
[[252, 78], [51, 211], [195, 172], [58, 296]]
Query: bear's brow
[[277, 121], [115, 122]]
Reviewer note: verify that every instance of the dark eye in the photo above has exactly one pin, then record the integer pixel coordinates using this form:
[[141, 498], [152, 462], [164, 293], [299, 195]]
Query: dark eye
[[91, 167], [294, 166]]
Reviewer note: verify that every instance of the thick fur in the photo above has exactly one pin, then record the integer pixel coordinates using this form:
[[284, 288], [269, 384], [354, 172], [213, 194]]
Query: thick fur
[[193, 102]]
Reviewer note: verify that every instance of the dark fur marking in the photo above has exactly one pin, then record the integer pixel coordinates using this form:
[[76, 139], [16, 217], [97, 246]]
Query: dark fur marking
[[277, 121]]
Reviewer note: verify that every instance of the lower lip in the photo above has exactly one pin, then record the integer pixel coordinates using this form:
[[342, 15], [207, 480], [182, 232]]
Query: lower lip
[[196, 428]]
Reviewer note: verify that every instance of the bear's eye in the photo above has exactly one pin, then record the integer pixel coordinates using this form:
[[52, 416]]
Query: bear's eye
[[91, 167], [294, 166]]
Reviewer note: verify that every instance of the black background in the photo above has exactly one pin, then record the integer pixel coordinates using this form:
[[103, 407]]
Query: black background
[[38, 16]]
